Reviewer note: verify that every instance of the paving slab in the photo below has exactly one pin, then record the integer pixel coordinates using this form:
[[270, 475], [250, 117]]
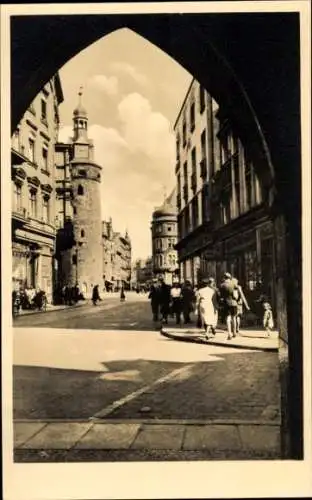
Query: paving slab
[[212, 437], [263, 437], [109, 436], [25, 430], [58, 436], [159, 437]]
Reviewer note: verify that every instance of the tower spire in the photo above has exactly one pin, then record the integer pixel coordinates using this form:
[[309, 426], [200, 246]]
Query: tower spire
[[80, 95]]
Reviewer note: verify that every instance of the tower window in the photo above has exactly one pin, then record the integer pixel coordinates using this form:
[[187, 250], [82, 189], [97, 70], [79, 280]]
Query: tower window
[[80, 190], [82, 233]]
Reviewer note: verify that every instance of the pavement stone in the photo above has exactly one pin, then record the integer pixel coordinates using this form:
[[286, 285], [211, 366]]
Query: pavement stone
[[25, 430], [159, 437], [212, 437], [109, 436], [260, 437], [60, 436]]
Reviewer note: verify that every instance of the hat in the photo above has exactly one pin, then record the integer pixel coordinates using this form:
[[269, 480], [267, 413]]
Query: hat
[[227, 276]]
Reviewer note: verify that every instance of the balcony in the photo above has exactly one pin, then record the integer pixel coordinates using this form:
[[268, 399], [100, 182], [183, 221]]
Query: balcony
[[203, 168], [193, 182]]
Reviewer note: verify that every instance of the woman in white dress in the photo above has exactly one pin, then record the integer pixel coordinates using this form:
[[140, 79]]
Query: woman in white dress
[[207, 303]]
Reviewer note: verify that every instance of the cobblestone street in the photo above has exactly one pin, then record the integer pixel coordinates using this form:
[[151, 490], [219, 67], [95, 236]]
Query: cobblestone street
[[110, 386]]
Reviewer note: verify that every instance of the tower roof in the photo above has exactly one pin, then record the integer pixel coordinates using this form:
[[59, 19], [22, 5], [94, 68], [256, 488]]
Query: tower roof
[[80, 111]]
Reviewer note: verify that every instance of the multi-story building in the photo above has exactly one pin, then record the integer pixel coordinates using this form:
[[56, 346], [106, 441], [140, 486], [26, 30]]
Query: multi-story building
[[164, 239], [222, 221], [79, 241], [108, 254], [122, 260], [33, 190], [144, 272]]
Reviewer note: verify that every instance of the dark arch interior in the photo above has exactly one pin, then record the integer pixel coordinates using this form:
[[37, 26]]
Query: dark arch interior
[[248, 62]]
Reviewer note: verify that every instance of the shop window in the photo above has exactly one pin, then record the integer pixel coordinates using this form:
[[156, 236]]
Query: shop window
[[80, 190]]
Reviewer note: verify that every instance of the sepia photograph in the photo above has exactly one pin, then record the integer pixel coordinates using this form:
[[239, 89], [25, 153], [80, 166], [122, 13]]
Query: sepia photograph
[[154, 288]]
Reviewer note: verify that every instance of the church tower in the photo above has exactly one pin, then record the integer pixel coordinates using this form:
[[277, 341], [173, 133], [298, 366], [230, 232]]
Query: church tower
[[86, 201]]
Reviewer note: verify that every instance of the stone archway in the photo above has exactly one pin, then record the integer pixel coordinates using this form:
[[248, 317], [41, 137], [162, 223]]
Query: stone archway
[[250, 63]]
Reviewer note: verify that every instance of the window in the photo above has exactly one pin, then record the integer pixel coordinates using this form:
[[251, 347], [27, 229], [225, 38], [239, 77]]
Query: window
[[45, 164], [201, 98], [184, 133], [194, 160], [74, 210], [192, 117], [31, 150], [185, 172], [203, 145], [33, 203], [195, 213], [248, 185], [46, 209], [43, 110], [82, 233], [16, 140], [169, 228], [17, 198], [80, 190], [178, 147]]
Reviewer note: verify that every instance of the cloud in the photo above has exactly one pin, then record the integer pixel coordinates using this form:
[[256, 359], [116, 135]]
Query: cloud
[[129, 70], [137, 161], [107, 84], [146, 130]]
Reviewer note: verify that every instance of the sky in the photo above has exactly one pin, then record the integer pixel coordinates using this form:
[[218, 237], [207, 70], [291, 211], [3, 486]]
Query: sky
[[132, 92]]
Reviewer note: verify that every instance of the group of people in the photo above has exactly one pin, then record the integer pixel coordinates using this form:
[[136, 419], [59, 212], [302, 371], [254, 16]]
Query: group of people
[[28, 298], [209, 302]]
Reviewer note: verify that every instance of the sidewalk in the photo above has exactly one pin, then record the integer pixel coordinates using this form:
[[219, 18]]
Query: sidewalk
[[146, 440], [247, 339], [51, 308]]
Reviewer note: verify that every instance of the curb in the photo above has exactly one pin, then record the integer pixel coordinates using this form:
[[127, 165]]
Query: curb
[[215, 342], [23, 315]]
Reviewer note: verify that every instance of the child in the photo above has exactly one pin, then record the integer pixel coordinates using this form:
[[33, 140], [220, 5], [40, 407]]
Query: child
[[268, 323]]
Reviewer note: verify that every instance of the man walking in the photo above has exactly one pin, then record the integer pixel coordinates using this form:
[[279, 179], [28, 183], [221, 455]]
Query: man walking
[[154, 297], [228, 294]]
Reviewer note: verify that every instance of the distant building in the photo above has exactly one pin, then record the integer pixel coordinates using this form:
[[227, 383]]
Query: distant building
[[222, 221], [144, 272], [164, 239], [33, 191], [116, 258], [122, 260], [79, 239]]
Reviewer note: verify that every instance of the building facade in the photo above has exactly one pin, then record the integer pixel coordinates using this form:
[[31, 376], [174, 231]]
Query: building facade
[[144, 273], [164, 239], [33, 191], [79, 239], [117, 269], [222, 221]]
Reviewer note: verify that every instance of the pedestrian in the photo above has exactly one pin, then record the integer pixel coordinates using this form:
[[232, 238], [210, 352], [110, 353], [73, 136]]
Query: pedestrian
[[154, 297], [241, 303], [229, 298], [207, 303], [95, 295], [176, 301], [122, 294], [268, 322], [164, 299], [188, 300]]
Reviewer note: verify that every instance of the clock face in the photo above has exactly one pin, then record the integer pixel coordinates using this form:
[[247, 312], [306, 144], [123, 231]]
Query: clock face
[[81, 151]]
